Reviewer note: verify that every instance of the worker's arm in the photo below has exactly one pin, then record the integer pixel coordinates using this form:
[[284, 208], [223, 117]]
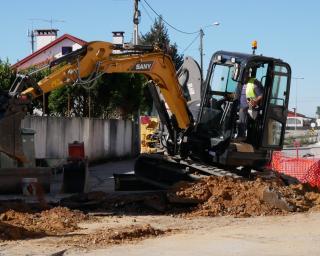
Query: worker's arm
[[255, 102], [258, 89], [99, 58]]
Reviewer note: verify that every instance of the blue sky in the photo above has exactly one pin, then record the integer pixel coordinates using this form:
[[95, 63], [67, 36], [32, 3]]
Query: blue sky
[[285, 29]]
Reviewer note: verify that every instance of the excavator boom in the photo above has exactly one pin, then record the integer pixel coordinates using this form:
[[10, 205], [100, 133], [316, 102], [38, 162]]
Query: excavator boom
[[93, 59], [99, 57]]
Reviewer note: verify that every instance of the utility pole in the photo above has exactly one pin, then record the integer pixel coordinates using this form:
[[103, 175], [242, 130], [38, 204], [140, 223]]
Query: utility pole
[[201, 53], [296, 107], [136, 21], [201, 35]]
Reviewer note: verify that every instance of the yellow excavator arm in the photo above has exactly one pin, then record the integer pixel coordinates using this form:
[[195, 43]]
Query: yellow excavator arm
[[86, 64], [99, 57]]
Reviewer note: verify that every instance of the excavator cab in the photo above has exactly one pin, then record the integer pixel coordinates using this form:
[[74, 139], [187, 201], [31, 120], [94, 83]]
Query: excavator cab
[[214, 137]]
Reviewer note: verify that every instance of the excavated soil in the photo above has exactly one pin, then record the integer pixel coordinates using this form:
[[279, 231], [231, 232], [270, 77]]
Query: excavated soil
[[20, 225], [220, 196], [211, 196], [125, 234]]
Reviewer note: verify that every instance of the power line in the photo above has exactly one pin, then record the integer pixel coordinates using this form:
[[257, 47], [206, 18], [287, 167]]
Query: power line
[[171, 26], [152, 20], [148, 14], [190, 44]]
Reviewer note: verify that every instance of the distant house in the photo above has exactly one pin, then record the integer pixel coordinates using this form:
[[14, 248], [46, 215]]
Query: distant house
[[293, 114], [48, 47], [297, 120]]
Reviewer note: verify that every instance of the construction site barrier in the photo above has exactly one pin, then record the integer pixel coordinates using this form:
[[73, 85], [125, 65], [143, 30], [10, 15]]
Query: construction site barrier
[[306, 170]]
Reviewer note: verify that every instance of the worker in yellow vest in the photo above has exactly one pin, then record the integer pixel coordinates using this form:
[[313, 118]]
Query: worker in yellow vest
[[250, 98]]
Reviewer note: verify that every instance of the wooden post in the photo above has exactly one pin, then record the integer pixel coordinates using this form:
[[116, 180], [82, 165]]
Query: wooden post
[[69, 103]]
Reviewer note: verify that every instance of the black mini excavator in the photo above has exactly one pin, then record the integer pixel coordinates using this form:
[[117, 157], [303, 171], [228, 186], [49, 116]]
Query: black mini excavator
[[211, 146]]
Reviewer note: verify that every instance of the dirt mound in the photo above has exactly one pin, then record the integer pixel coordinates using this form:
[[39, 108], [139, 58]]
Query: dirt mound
[[19, 225], [116, 236], [218, 196]]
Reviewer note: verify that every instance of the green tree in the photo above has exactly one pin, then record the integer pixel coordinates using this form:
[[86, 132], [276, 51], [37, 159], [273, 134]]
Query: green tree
[[73, 100], [58, 102], [124, 93], [158, 35], [113, 95], [6, 75]]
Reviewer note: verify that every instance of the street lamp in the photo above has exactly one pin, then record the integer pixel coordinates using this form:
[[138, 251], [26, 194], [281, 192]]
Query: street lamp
[[296, 107], [201, 44]]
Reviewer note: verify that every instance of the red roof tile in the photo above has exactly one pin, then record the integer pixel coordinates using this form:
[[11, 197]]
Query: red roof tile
[[293, 114]]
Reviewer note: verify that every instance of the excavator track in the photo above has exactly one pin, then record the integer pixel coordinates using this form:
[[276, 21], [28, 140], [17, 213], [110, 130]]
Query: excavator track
[[164, 171]]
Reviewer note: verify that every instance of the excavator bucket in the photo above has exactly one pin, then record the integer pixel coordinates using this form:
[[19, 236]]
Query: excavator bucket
[[12, 111]]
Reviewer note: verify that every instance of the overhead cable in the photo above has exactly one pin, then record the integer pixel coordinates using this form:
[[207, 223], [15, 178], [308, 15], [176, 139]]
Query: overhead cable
[[190, 44], [171, 26], [148, 14]]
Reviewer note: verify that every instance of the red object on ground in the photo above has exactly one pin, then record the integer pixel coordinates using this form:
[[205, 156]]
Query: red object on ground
[[304, 169], [145, 119], [76, 150]]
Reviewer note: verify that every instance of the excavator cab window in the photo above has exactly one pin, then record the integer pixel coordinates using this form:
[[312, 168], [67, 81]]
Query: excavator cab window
[[261, 72], [217, 107], [222, 79]]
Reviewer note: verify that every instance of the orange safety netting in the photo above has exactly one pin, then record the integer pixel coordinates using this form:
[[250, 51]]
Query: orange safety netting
[[304, 169]]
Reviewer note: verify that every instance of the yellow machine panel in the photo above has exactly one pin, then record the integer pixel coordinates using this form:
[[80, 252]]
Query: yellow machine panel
[[149, 127]]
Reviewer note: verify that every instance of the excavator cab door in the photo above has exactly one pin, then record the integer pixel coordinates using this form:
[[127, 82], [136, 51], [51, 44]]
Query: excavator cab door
[[276, 106]]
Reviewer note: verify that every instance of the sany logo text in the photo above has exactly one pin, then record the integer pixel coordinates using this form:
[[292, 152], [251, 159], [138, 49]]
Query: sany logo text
[[143, 66]]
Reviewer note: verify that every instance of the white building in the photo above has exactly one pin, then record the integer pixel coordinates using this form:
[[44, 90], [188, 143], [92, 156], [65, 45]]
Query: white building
[[48, 48], [295, 122]]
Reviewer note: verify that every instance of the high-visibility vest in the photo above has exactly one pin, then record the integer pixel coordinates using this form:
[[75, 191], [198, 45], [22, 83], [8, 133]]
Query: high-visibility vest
[[250, 89]]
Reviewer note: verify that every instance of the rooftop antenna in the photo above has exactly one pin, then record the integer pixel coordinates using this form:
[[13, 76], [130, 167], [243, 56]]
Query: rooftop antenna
[[31, 35], [51, 21]]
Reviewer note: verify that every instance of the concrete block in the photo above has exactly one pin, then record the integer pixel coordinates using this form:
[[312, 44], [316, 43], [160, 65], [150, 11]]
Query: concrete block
[[11, 178]]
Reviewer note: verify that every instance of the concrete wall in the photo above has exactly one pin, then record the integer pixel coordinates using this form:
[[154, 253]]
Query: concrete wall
[[102, 138]]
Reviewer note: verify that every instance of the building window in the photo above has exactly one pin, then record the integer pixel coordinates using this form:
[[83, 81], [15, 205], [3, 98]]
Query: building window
[[66, 49], [294, 121]]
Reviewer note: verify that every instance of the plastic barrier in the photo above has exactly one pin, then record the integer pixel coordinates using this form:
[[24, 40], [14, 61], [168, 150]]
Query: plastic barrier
[[305, 170], [313, 175]]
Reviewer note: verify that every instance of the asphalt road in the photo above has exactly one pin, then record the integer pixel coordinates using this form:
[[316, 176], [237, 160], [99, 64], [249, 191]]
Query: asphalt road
[[101, 176]]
